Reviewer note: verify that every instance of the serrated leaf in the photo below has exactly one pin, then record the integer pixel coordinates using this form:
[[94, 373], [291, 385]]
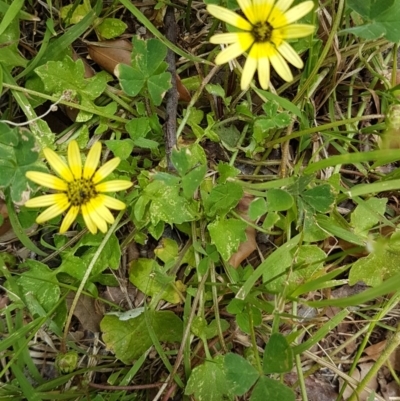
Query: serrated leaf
[[208, 383], [167, 205], [130, 339], [367, 214], [278, 355], [148, 277], [268, 389], [41, 283], [59, 76], [227, 234], [374, 268], [223, 198], [240, 374]]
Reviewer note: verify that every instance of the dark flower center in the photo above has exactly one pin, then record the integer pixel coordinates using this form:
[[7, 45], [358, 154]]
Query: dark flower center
[[262, 31], [80, 191]]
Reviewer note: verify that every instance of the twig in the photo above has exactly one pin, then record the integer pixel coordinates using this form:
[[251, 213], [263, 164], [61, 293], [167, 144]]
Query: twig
[[172, 94]]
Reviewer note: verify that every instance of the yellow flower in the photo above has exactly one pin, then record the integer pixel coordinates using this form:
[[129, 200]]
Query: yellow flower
[[81, 189], [263, 35]]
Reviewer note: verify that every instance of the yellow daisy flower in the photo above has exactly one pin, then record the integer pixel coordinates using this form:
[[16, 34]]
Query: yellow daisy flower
[[263, 35], [81, 189]]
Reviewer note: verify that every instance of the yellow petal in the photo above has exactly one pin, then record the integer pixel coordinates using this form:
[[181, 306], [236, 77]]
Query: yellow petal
[[69, 218], [47, 180], [105, 170], [58, 164], [113, 186], [229, 16], [283, 5], [281, 67], [250, 67], [53, 211], [88, 221], [230, 53], [290, 55], [96, 217], [298, 12], [263, 72], [92, 160], [74, 159], [46, 200], [295, 31], [98, 204], [222, 38], [247, 8], [261, 10], [111, 203]]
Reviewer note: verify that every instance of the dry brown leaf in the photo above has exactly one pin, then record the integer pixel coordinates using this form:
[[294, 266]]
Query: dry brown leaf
[[317, 389], [88, 315], [6, 226], [374, 352], [108, 54], [250, 245], [359, 373]]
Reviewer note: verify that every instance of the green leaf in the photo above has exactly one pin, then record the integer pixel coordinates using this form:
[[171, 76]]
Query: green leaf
[[268, 389], [121, 148], [148, 68], [367, 214], [320, 198], [226, 171], [148, 277], [41, 283], [131, 80], [68, 76], [138, 128], [192, 180], [309, 263], [223, 198], [72, 265], [211, 330], [187, 158], [111, 28], [167, 205], [148, 55], [158, 85], [129, 339], [8, 136], [373, 269], [240, 374], [257, 208], [208, 383], [382, 17], [278, 355], [227, 234], [279, 200], [167, 250]]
